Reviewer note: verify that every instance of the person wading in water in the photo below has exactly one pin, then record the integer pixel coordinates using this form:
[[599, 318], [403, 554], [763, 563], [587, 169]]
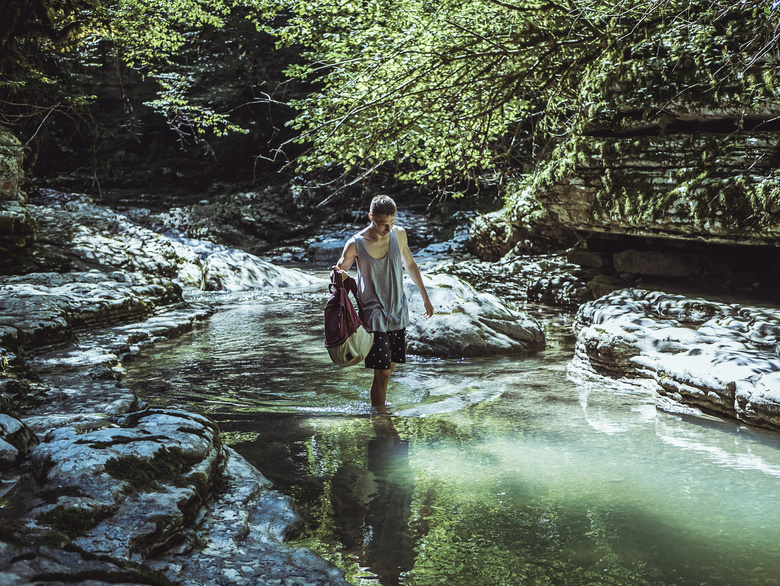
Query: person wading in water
[[382, 252]]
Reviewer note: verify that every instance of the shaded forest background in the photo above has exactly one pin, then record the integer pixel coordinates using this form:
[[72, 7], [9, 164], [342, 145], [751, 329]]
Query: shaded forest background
[[201, 95]]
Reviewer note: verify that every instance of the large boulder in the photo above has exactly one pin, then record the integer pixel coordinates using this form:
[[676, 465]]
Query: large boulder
[[467, 323], [720, 358]]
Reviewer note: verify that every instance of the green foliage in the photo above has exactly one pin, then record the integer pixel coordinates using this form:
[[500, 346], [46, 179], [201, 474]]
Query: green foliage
[[446, 89], [46, 44]]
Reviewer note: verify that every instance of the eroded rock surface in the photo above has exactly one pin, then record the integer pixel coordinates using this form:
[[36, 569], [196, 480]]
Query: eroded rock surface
[[156, 484], [16, 441], [721, 358], [44, 309], [125, 494], [548, 279], [235, 270], [78, 235], [467, 323]]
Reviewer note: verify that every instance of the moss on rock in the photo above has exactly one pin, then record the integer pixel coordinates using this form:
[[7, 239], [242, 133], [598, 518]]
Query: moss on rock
[[144, 475], [72, 521]]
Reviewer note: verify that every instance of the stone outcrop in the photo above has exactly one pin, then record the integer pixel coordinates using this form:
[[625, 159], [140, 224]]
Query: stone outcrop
[[129, 489], [544, 278], [235, 270], [638, 217], [77, 235], [467, 323], [524, 228], [17, 227], [252, 221], [154, 495], [719, 358], [670, 163], [703, 186], [44, 309]]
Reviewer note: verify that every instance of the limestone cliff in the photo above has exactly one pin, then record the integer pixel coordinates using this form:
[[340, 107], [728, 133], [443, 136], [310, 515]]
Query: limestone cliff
[[674, 146]]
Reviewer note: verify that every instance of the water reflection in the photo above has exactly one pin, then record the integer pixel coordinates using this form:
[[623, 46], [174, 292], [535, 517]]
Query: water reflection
[[372, 507], [494, 471]]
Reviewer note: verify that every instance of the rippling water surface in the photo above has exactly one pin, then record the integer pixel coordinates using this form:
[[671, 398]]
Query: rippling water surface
[[489, 471]]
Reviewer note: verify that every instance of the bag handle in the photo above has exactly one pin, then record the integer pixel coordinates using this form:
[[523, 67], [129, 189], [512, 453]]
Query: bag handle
[[339, 278], [336, 279]]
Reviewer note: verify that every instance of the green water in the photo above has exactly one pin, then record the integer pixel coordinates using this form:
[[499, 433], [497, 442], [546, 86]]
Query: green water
[[489, 471]]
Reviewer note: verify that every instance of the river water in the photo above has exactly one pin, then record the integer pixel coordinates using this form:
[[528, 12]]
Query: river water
[[488, 471]]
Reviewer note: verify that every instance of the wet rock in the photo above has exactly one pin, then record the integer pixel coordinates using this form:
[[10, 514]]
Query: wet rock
[[42, 562], [83, 380], [127, 490], [548, 279], [44, 309], [156, 493], [16, 440], [601, 285], [467, 323], [240, 539], [235, 270], [720, 358], [94, 237]]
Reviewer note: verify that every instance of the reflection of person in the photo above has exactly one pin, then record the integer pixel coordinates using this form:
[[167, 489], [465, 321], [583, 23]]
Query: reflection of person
[[382, 252], [390, 551], [372, 507]]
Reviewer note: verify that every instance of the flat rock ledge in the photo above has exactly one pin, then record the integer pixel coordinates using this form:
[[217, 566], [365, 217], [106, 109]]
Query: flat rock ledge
[[722, 359], [46, 309]]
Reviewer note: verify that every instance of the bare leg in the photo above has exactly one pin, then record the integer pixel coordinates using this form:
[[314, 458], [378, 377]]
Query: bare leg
[[379, 386]]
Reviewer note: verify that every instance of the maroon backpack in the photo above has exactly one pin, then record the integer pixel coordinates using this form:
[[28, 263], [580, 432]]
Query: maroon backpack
[[346, 338]]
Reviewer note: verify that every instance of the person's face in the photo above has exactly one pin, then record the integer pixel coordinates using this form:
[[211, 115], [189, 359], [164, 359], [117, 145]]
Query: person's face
[[382, 224]]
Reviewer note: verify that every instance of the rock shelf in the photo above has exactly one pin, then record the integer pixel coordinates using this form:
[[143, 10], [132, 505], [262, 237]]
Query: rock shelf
[[721, 358]]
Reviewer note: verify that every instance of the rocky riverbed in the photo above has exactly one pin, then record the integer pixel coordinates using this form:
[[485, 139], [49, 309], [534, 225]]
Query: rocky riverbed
[[97, 486]]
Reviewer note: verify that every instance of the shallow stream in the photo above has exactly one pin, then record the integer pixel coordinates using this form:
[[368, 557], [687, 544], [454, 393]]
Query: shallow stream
[[489, 471]]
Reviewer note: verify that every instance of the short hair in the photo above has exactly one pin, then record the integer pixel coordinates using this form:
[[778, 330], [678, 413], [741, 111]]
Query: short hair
[[382, 205]]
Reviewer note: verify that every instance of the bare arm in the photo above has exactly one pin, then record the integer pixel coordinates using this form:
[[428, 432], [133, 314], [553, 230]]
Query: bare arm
[[348, 256], [414, 271]]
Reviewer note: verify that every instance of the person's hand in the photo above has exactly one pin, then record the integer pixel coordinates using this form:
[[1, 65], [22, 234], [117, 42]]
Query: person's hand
[[428, 308], [344, 274]]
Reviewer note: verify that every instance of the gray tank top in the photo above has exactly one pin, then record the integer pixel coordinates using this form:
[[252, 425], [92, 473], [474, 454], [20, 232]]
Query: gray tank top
[[381, 287]]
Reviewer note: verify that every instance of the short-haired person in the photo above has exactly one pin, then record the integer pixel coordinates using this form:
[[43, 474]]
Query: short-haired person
[[382, 253]]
